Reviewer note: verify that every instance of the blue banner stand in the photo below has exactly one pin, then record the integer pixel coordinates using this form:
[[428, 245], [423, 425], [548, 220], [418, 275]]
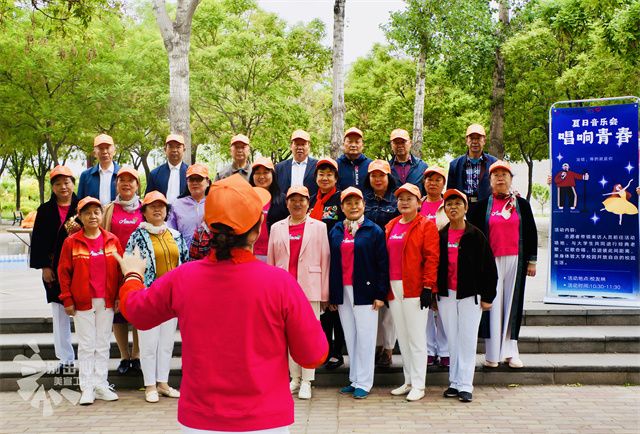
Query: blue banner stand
[[594, 231]]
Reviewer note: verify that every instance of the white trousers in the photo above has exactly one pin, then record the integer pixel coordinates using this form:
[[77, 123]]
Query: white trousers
[[500, 346], [296, 371], [359, 323], [411, 326], [461, 319], [62, 333], [386, 330], [280, 430], [93, 328], [156, 350], [436, 336]]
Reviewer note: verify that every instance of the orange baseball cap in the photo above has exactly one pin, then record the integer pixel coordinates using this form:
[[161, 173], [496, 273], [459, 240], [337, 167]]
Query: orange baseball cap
[[352, 130], [381, 165], [409, 188], [264, 162], [400, 134], [240, 138], [501, 164], [102, 138], [350, 191], [476, 129], [129, 170], [88, 201], [234, 202], [61, 170], [154, 196], [452, 192], [175, 138], [327, 160], [298, 189], [300, 134], [198, 169], [435, 169]]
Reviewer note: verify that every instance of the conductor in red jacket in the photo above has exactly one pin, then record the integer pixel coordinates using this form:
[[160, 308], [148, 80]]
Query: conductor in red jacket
[[238, 319]]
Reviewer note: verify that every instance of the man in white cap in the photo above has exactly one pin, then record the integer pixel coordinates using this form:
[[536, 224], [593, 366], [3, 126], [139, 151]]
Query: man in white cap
[[99, 181], [404, 166], [300, 168], [353, 165], [469, 173], [240, 159], [170, 178]]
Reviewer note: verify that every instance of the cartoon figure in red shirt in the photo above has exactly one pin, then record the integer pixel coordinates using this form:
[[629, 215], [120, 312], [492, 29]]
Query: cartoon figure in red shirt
[[565, 180], [618, 202]]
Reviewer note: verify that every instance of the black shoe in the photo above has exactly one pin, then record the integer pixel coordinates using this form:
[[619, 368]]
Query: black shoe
[[331, 365], [135, 364], [124, 366], [465, 396], [451, 393]]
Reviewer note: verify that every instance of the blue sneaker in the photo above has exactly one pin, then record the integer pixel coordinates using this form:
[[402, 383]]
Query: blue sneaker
[[347, 390], [360, 393]]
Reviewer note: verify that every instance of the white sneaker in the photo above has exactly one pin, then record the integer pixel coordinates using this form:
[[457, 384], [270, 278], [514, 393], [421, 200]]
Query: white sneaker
[[515, 363], [87, 397], [489, 364], [294, 385], [152, 396], [415, 394], [402, 390], [305, 390], [106, 393]]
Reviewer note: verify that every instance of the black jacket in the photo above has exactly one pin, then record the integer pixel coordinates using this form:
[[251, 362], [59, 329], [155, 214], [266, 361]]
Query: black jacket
[[47, 238], [477, 273], [277, 211]]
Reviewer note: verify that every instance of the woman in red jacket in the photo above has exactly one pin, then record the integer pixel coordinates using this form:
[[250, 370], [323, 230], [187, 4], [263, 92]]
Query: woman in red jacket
[[413, 245], [89, 278]]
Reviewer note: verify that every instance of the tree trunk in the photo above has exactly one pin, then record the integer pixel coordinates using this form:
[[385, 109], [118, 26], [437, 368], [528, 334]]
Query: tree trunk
[[496, 129], [418, 105], [529, 177], [337, 106], [176, 36], [18, 164]]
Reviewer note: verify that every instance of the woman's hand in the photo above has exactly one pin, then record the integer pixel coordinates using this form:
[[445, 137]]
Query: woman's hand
[[377, 304], [131, 262], [434, 304], [70, 310], [48, 276], [531, 269], [116, 306], [485, 306], [324, 305], [333, 307]]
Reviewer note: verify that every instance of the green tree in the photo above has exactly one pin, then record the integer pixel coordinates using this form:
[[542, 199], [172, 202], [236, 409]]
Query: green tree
[[542, 195]]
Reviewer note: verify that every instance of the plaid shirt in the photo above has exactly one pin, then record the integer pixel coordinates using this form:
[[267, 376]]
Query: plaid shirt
[[200, 243], [472, 170]]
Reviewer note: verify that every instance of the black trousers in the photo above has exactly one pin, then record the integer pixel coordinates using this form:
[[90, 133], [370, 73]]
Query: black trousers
[[566, 196], [332, 327]]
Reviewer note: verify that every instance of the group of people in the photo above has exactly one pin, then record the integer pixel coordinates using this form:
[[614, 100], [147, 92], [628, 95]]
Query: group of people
[[379, 250]]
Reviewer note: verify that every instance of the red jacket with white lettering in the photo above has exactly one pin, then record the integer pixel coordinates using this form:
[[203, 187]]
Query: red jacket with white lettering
[[73, 271], [420, 256]]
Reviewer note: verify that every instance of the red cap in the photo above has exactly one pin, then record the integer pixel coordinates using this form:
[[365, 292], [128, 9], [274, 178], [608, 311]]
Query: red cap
[[240, 138], [409, 188], [88, 201], [353, 130], [102, 138], [154, 196], [174, 138], [300, 134], [60, 170], [476, 129], [399, 134], [198, 169], [452, 192], [500, 164], [435, 169], [381, 165], [298, 189], [264, 162], [350, 191], [233, 202], [327, 160], [129, 170]]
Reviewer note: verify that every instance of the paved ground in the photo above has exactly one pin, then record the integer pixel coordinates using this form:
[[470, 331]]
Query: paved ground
[[524, 409]]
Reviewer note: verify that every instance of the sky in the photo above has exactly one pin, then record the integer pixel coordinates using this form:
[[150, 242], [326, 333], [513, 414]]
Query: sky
[[362, 20]]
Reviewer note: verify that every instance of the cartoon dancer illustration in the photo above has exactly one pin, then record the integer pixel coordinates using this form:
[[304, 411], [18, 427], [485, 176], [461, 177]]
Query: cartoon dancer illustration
[[565, 180], [619, 203]]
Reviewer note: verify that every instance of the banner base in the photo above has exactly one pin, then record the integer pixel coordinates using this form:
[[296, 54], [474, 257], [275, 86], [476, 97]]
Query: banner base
[[592, 301]]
